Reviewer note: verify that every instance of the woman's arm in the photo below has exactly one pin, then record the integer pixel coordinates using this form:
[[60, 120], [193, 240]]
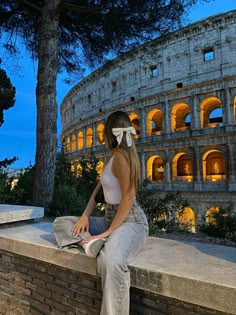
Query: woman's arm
[[82, 224]]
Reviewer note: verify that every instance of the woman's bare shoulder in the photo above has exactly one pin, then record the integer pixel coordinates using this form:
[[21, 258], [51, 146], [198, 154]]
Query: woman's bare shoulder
[[119, 155]]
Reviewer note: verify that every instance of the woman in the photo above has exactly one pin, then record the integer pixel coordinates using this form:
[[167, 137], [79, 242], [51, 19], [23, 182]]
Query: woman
[[117, 237]]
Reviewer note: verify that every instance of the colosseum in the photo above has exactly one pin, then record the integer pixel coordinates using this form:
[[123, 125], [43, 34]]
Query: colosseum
[[180, 93]]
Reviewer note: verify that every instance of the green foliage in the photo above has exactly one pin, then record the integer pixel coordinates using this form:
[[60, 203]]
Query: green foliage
[[5, 182], [85, 32], [22, 192], [7, 94], [221, 223], [72, 192], [162, 211]]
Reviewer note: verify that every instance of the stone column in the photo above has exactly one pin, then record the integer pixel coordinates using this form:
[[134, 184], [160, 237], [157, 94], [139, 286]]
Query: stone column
[[232, 166], [228, 108], [143, 125], [167, 173], [195, 115], [143, 166], [76, 140], [84, 129], [197, 166], [167, 118], [94, 134]]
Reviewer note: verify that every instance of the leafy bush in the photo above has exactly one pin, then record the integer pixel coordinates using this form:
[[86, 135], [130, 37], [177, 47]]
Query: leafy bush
[[220, 223], [22, 192], [163, 213], [5, 182], [72, 190]]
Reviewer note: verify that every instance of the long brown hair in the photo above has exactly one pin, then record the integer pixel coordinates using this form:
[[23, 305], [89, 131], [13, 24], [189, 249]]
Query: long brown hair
[[120, 119]]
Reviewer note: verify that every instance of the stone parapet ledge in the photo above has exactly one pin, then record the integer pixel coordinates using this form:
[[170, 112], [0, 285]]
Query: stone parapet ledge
[[197, 273], [13, 213]]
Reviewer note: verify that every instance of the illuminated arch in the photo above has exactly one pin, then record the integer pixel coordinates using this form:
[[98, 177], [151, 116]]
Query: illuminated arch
[[68, 144], [99, 167], [155, 168], [207, 107], [89, 137], [187, 218], [214, 166], [73, 143], [134, 118], [179, 114], [154, 122], [80, 140], [100, 134], [210, 214], [182, 167]]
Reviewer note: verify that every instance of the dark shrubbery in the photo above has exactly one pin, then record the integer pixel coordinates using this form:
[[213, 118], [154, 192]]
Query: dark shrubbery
[[163, 212], [73, 187], [5, 182], [220, 223]]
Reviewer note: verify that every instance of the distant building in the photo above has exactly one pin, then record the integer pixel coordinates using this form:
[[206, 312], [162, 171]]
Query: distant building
[[180, 93]]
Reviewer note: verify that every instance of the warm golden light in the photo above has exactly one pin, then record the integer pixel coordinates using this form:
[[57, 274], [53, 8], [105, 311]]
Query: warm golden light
[[206, 107], [80, 140], [89, 137], [154, 122], [178, 114]]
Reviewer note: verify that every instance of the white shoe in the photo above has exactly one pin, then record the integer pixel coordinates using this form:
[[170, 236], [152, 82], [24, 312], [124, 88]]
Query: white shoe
[[93, 247]]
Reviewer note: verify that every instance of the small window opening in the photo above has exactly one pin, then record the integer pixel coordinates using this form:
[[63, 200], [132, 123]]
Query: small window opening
[[209, 54], [179, 85], [154, 71], [89, 98]]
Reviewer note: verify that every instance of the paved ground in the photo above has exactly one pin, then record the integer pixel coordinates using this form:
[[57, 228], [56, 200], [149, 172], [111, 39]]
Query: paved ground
[[201, 238]]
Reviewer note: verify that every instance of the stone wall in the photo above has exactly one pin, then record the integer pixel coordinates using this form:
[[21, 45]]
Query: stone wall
[[168, 277], [28, 286]]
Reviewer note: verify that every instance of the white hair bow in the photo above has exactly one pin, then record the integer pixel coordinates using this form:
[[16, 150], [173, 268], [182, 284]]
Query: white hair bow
[[118, 133]]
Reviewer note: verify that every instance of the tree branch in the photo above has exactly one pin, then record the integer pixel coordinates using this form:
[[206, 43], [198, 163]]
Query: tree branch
[[29, 5]]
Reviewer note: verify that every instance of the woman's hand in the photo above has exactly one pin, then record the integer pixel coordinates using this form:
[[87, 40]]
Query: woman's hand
[[82, 225]]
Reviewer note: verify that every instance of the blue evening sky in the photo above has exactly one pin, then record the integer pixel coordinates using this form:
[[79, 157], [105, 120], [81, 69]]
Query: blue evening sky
[[18, 133]]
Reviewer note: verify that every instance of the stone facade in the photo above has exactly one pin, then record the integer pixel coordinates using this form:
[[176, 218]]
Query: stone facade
[[180, 93]]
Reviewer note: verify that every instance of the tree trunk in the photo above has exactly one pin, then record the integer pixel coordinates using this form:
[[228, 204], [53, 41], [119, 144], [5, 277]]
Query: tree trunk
[[46, 141]]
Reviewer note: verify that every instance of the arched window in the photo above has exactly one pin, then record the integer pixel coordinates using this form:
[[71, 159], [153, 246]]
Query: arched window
[[187, 218], [80, 140], [89, 137], [182, 168], [135, 123], [180, 117], [154, 122], [100, 134], [209, 116], [68, 144], [214, 166], [73, 143], [155, 169]]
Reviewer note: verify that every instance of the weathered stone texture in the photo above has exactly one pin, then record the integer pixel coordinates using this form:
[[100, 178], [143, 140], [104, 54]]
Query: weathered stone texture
[[184, 83], [63, 291]]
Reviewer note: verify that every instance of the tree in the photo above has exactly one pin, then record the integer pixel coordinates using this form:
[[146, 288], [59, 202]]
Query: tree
[[7, 94], [67, 33]]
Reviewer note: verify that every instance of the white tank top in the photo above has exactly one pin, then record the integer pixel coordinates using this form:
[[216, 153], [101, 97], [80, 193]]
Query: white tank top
[[110, 184]]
